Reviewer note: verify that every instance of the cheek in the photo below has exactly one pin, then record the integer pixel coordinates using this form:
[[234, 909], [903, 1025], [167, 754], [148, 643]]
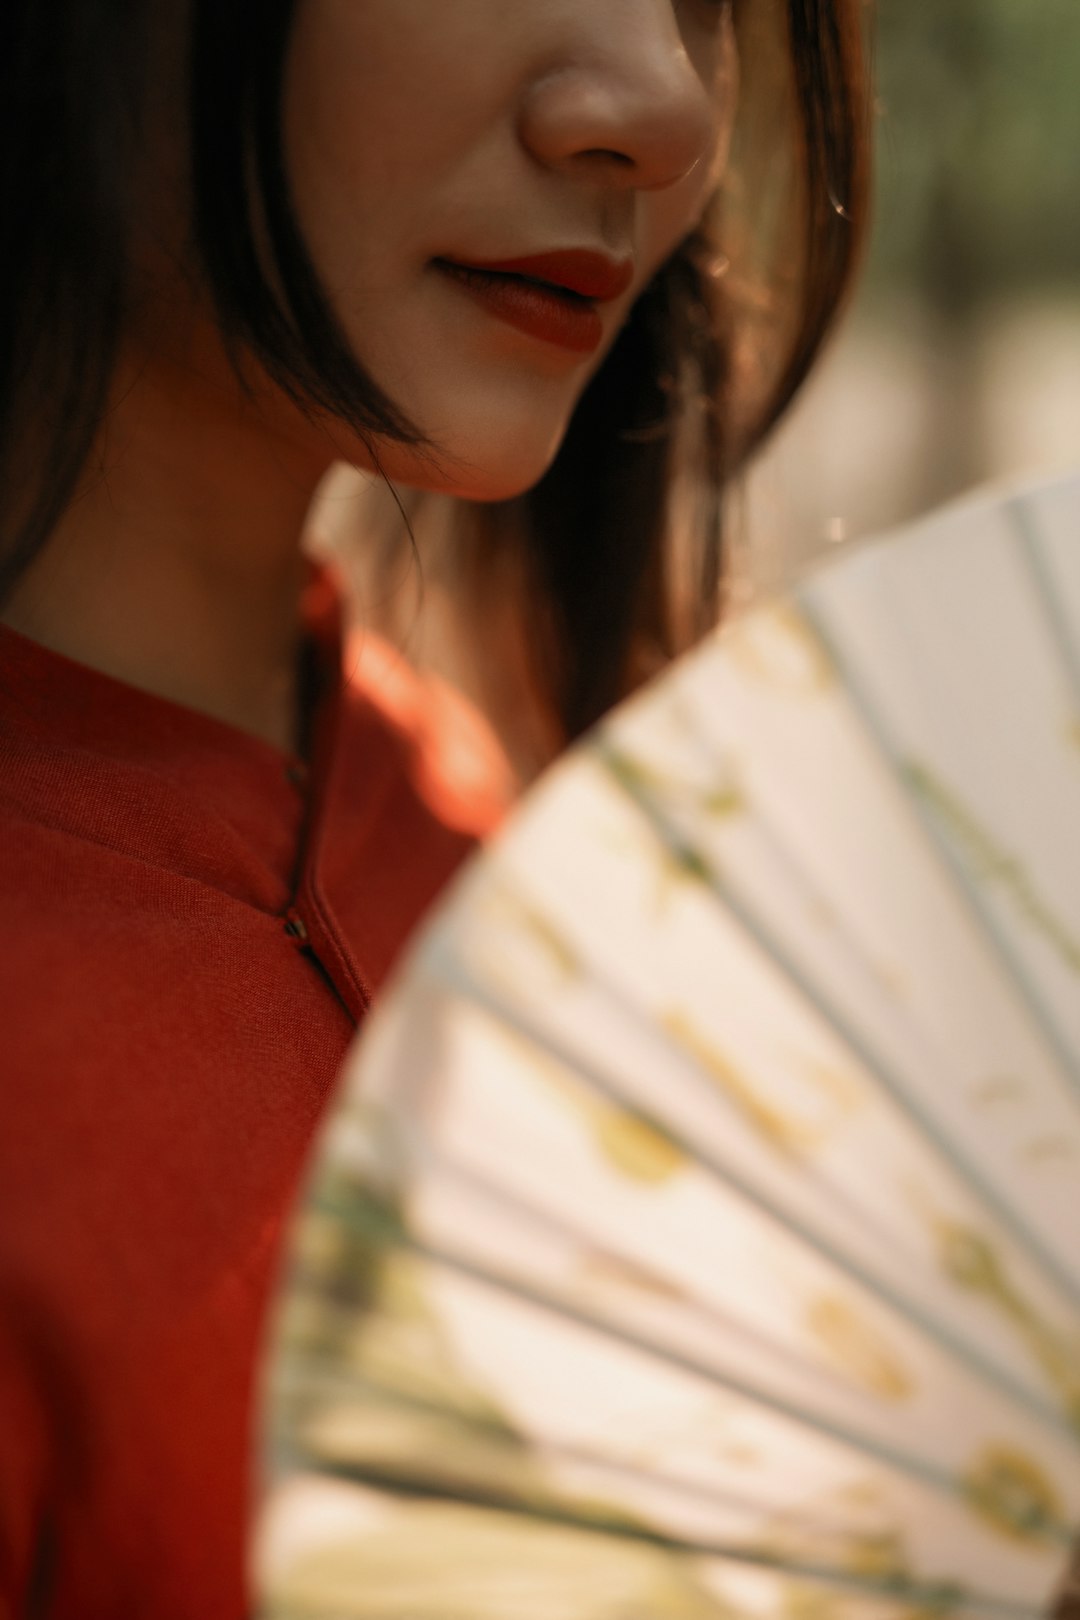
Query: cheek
[[668, 217], [370, 126]]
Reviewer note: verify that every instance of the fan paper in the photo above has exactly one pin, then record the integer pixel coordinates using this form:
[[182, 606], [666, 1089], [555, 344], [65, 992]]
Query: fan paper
[[698, 1230]]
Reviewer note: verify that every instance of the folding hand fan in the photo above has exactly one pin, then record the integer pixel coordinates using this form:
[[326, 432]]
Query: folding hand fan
[[698, 1233]]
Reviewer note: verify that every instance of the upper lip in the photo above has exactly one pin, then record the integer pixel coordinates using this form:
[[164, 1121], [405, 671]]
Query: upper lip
[[578, 270]]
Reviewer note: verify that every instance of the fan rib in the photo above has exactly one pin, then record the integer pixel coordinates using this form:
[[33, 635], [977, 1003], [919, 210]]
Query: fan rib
[[946, 1150], [1042, 1018], [321, 1376], [1021, 514], [944, 1599], [592, 1078], [935, 1478]]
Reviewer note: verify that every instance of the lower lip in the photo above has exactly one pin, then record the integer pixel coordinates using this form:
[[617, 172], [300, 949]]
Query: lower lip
[[563, 320]]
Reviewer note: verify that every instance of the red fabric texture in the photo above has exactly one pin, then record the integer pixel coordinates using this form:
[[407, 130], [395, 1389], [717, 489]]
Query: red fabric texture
[[193, 924]]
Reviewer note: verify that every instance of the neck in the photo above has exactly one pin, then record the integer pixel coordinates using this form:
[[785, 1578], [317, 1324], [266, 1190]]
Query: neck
[[177, 567]]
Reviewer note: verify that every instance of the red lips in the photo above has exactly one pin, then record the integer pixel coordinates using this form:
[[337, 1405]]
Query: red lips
[[576, 270], [552, 297]]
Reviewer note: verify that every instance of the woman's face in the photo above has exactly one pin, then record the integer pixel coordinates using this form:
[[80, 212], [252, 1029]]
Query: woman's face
[[427, 138]]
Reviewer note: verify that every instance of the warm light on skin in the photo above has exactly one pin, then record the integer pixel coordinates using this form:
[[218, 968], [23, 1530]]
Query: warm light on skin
[[414, 130], [482, 131]]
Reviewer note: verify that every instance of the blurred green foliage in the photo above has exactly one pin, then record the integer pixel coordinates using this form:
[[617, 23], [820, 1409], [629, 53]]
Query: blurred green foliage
[[978, 150]]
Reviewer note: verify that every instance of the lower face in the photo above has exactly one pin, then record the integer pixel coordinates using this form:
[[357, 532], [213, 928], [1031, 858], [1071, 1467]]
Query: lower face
[[429, 140]]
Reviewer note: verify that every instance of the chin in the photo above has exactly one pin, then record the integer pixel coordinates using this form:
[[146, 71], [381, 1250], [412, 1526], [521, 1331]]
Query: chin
[[483, 468], [491, 484]]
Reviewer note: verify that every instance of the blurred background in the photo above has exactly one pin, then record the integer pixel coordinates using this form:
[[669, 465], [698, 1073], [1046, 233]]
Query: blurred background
[[959, 360]]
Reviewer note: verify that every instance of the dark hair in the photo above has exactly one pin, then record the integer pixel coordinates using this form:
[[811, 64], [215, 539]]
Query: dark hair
[[703, 367]]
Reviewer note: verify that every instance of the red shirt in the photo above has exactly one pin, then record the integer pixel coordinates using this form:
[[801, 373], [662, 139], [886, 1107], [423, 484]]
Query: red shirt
[[190, 932]]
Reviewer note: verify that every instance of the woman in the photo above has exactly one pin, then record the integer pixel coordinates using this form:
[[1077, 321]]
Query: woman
[[473, 249]]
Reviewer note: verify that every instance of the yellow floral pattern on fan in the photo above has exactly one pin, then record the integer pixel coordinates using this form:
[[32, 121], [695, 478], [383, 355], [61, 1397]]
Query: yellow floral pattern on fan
[[992, 863], [779, 647], [1015, 1496], [792, 1133], [637, 1146], [858, 1349], [972, 1261]]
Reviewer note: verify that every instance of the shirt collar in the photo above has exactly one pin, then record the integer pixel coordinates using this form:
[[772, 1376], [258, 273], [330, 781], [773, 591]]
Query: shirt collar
[[403, 777]]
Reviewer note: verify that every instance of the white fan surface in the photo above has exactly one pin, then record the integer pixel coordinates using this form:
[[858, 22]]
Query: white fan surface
[[698, 1232]]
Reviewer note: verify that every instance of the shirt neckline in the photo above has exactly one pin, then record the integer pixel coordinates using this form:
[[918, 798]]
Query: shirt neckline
[[94, 757]]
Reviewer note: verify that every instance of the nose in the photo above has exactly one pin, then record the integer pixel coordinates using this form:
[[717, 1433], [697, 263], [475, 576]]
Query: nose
[[624, 104]]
